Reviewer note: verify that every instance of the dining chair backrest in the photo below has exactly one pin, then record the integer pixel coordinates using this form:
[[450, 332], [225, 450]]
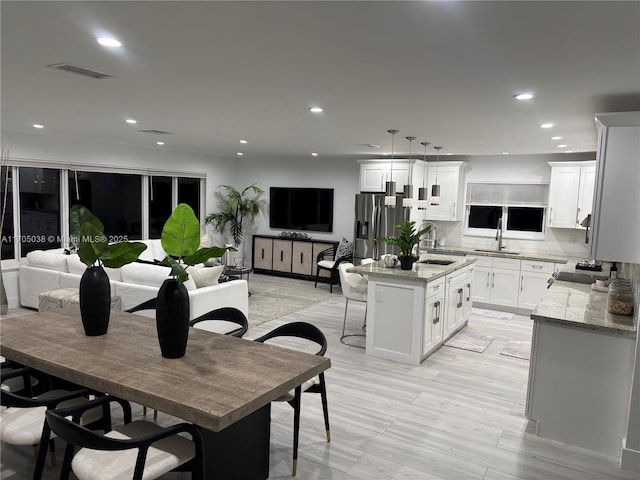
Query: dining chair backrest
[[215, 320], [302, 330]]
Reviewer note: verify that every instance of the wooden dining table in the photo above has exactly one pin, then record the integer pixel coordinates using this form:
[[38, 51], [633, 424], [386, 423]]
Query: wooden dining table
[[223, 384]]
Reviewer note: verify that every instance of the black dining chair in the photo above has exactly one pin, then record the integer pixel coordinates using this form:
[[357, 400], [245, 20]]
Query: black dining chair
[[223, 320], [313, 334], [147, 305], [137, 450], [327, 261]]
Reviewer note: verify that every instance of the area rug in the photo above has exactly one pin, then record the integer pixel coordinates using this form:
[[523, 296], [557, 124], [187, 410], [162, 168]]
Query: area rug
[[518, 349], [469, 340], [492, 313]]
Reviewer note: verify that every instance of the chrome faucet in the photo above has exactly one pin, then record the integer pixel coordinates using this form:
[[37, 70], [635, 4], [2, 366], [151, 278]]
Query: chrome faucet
[[499, 235], [433, 238]]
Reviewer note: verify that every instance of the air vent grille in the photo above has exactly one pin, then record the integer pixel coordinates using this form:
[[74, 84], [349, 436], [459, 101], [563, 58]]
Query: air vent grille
[[86, 72], [156, 132]]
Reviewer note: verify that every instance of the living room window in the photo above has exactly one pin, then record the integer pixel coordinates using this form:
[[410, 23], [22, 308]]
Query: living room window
[[522, 208], [189, 193]]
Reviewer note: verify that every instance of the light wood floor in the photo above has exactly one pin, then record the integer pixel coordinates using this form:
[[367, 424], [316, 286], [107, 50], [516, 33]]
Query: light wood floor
[[457, 416]]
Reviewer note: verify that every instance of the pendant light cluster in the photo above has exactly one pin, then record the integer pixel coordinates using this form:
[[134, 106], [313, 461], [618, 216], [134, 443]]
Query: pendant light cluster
[[422, 191], [407, 192], [390, 186], [435, 188]]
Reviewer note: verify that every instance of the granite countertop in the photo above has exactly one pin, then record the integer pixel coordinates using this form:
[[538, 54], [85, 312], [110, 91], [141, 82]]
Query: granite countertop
[[540, 257], [577, 305], [421, 272]]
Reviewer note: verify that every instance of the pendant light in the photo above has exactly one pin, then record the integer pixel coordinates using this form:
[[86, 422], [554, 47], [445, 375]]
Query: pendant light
[[390, 186], [435, 188], [407, 191], [422, 191]]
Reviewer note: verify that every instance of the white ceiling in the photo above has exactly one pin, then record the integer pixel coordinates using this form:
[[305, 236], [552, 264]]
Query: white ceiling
[[213, 73]]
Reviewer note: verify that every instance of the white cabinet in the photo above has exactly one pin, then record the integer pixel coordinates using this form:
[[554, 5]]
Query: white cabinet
[[497, 281], [482, 280], [450, 177], [468, 295], [433, 316], [570, 193], [375, 173], [534, 278], [615, 224], [454, 301]]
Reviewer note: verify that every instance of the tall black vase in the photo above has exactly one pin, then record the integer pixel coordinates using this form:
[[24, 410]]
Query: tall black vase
[[95, 301], [172, 318]]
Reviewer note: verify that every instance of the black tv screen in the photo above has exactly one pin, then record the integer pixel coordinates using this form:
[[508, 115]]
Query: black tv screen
[[301, 209]]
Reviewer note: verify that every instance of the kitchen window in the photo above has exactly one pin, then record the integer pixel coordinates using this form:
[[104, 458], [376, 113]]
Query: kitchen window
[[522, 207]]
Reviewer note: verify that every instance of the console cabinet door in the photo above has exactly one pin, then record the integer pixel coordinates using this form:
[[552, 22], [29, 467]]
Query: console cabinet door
[[282, 252], [263, 253], [317, 248], [302, 259]]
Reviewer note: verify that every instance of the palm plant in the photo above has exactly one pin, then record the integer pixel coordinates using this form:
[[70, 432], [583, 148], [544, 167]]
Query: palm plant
[[407, 239], [237, 210]]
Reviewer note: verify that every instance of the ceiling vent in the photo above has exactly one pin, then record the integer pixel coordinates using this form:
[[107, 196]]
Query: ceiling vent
[[156, 132], [71, 68]]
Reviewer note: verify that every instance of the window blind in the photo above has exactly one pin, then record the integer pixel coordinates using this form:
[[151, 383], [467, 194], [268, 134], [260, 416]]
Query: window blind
[[508, 194]]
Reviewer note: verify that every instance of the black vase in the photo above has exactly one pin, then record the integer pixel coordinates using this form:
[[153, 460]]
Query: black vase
[[406, 262], [172, 318], [95, 301]]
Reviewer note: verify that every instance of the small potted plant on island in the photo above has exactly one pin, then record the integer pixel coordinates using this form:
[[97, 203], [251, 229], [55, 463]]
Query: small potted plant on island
[[180, 240], [94, 250], [407, 239]]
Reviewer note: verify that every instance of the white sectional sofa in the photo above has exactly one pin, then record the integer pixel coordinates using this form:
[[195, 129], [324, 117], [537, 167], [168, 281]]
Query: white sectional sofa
[[134, 283]]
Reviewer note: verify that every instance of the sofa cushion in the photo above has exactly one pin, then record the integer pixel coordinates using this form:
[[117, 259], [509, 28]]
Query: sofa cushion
[[153, 251], [205, 277], [144, 274], [50, 259]]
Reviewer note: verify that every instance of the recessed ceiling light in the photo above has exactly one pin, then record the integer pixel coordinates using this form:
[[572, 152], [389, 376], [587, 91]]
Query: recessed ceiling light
[[159, 143], [448, 153], [546, 125], [505, 153], [314, 154], [568, 151], [562, 145], [109, 42], [556, 138], [316, 110], [240, 154], [524, 96], [37, 125], [131, 121], [243, 141]]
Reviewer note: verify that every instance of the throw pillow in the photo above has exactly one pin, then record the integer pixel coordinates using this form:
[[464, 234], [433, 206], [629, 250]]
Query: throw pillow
[[205, 277], [345, 249]]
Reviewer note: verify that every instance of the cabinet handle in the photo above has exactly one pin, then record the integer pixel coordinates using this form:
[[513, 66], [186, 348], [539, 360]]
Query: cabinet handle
[[493, 280], [536, 266], [460, 292], [521, 282], [282, 255], [436, 319], [301, 257], [469, 294], [488, 275], [436, 287], [263, 254]]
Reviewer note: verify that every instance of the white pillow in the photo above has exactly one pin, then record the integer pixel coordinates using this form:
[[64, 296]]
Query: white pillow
[[75, 265], [143, 274], [49, 260], [205, 277]]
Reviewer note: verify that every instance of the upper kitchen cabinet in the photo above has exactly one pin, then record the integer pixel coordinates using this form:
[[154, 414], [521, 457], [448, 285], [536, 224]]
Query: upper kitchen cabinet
[[570, 193], [450, 177], [375, 173], [615, 223]]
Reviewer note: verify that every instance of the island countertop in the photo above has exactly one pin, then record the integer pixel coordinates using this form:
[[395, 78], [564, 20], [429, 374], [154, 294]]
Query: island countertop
[[421, 272], [577, 305]]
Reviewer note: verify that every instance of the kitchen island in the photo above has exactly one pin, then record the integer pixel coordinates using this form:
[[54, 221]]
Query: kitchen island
[[410, 313], [581, 369]]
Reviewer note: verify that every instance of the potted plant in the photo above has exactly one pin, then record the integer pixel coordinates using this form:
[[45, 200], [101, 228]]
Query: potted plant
[[180, 239], [237, 212], [95, 251], [407, 239]]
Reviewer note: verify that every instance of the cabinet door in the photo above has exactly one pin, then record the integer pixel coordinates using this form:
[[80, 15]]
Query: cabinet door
[[282, 251], [317, 248], [448, 179], [433, 322], [504, 287], [468, 292], [585, 193], [481, 284], [563, 196], [533, 286], [301, 261], [262, 253], [372, 177], [454, 305], [401, 174]]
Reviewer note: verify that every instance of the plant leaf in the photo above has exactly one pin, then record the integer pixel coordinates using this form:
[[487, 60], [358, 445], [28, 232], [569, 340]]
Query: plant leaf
[[123, 253], [205, 254], [92, 244], [181, 232], [177, 270], [78, 215]]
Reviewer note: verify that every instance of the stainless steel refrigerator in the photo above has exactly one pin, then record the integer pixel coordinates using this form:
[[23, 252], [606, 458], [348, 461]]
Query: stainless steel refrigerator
[[374, 220]]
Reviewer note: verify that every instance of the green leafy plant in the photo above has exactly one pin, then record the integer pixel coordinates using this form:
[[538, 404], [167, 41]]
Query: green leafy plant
[[94, 249], [407, 239], [180, 239], [237, 209]]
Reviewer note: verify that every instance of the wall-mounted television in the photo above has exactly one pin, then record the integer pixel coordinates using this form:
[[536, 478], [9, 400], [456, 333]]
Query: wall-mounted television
[[301, 209]]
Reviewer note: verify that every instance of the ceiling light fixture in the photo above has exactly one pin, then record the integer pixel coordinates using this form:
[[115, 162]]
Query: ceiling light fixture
[[160, 143], [524, 96], [556, 138], [37, 125], [243, 141], [407, 191], [109, 42], [435, 188], [131, 121], [316, 110], [390, 186], [505, 153], [239, 154], [562, 145], [547, 125], [314, 154], [422, 191]]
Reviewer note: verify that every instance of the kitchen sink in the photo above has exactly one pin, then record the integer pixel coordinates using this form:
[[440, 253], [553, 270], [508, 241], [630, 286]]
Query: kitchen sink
[[506, 252], [578, 277], [435, 261]]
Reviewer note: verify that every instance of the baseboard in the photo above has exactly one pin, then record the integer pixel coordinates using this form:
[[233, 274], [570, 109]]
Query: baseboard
[[630, 459]]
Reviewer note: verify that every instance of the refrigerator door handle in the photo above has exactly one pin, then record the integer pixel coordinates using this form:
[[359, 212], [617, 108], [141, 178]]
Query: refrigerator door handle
[[377, 217]]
